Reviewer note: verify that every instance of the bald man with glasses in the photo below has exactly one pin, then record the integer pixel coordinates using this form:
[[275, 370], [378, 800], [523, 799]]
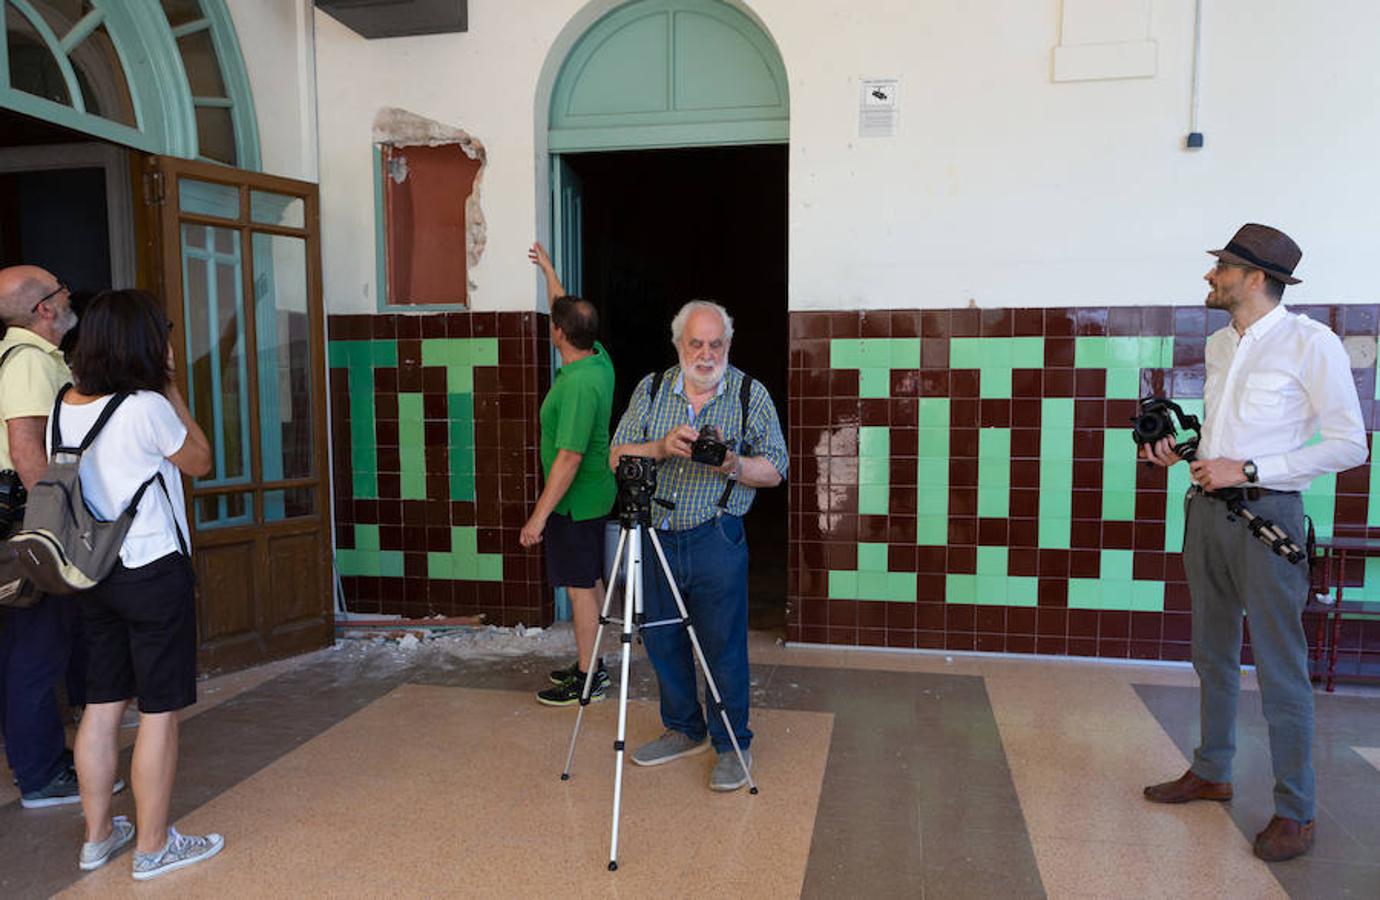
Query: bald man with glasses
[[36, 641]]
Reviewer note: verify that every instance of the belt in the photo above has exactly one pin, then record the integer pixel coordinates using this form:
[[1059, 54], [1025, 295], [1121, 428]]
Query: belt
[[1247, 494]]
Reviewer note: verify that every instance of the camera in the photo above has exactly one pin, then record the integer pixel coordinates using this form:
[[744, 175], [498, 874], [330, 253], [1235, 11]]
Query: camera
[[1155, 422], [12, 499], [636, 479], [708, 449]]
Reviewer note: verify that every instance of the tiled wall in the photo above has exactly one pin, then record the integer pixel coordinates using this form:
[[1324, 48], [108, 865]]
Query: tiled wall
[[434, 422], [965, 479]]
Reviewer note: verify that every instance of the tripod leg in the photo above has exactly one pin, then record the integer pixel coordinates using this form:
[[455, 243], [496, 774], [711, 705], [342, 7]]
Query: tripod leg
[[594, 655], [699, 657], [632, 579]]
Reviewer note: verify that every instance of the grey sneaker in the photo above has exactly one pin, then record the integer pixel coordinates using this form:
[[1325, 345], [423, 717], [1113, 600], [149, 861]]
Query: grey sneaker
[[63, 789], [180, 851], [98, 853], [671, 745], [728, 775]]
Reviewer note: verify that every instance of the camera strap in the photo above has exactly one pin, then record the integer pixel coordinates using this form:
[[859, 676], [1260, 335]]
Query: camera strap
[[744, 397]]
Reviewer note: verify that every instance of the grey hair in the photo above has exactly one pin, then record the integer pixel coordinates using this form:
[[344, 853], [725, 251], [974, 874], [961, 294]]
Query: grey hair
[[678, 323]]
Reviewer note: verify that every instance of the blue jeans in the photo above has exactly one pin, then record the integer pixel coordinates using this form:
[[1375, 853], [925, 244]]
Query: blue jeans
[[34, 647], [710, 565]]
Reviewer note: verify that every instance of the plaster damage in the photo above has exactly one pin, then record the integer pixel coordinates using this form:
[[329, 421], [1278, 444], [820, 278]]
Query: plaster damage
[[836, 453], [401, 128]]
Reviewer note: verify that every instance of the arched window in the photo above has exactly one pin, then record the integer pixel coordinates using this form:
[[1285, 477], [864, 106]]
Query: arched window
[[164, 76]]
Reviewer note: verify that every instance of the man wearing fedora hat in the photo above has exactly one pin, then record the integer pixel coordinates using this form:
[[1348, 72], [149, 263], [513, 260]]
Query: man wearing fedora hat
[[1274, 380]]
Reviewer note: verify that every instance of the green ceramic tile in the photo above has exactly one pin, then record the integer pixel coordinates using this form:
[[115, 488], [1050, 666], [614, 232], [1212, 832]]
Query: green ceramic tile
[[1320, 503], [1055, 532], [1122, 352], [383, 353], [991, 561], [1027, 353], [366, 537], [364, 485], [934, 444], [995, 443], [872, 586], [995, 384], [960, 588], [490, 567], [874, 442], [1085, 593], [843, 585], [994, 353], [965, 353], [932, 530], [1023, 591], [873, 499], [440, 566], [933, 473], [1090, 352], [845, 353], [1123, 384], [901, 587], [483, 351], [1116, 565], [1147, 596], [872, 557], [414, 485], [874, 471], [874, 384], [934, 413], [990, 590]]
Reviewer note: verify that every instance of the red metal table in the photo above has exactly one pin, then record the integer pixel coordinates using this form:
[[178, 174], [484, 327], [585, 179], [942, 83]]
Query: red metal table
[[1333, 554]]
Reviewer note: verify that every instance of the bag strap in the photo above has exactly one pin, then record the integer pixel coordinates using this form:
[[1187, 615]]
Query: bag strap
[[96, 428], [652, 390], [744, 448], [10, 352], [133, 509]]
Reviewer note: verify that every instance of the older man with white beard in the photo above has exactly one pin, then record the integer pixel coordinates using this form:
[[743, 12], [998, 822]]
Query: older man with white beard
[[698, 513]]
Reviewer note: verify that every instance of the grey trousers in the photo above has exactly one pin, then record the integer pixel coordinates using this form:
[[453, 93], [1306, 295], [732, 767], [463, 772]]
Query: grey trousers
[[1230, 571]]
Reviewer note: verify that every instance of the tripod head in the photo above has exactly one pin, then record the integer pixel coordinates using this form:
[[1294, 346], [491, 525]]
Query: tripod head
[[636, 478]]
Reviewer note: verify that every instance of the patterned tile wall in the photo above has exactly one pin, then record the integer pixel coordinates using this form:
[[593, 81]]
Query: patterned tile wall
[[965, 479], [434, 421]]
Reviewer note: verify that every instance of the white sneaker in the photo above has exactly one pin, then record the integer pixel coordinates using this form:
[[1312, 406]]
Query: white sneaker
[[98, 853], [180, 851]]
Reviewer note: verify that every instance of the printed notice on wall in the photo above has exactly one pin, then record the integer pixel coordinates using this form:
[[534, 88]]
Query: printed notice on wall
[[879, 108]]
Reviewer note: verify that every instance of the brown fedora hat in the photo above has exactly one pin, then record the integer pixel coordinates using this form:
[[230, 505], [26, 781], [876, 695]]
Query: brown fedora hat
[[1265, 248]]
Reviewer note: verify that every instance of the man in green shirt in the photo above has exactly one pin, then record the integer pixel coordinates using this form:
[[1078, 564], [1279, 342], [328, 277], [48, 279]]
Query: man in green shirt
[[574, 505]]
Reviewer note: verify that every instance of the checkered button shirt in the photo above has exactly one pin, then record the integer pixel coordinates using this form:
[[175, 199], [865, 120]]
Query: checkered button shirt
[[695, 489]]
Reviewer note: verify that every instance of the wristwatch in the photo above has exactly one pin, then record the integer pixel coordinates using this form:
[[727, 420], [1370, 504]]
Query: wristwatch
[[1248, 469]]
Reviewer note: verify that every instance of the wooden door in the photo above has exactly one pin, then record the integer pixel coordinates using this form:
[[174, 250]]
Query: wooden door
[[239, 255]]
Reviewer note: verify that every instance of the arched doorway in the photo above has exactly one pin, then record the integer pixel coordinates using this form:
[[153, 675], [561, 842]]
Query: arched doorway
[[667, 128]]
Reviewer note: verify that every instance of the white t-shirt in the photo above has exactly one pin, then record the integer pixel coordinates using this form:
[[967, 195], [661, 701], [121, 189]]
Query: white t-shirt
[[135, 443]]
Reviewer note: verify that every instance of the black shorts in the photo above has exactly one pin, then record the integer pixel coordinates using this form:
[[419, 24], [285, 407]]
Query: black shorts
[[141, 635], [574, 551]]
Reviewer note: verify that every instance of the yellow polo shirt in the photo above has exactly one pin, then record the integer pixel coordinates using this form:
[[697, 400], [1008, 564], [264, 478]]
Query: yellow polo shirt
[[29, 382]]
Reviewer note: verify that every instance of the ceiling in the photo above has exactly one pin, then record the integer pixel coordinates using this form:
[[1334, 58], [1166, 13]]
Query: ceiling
[[398, 18]]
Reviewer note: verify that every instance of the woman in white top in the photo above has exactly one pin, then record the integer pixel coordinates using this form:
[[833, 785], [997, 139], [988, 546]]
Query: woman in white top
[[140, 621]]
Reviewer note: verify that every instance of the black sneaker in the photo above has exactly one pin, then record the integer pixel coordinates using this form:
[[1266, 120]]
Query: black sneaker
[[561, 676], [60, 791], [567, 693]]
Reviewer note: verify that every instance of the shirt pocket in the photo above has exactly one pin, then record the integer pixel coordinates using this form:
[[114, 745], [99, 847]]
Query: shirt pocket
[[1266, 396]]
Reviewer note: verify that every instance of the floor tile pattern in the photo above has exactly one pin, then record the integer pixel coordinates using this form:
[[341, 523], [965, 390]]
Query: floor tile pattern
[[1345, 860]]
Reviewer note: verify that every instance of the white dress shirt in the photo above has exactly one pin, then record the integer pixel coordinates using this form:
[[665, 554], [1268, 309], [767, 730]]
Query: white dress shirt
[[1270, 390]]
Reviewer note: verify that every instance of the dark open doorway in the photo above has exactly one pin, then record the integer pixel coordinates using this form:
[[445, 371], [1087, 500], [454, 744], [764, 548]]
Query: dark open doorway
[[661, 227]]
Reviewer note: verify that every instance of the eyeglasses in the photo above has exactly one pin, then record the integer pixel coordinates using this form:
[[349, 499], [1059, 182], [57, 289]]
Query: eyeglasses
[[61, 288]]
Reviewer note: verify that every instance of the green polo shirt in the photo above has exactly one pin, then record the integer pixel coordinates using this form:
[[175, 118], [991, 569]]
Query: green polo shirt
[[575, 417]]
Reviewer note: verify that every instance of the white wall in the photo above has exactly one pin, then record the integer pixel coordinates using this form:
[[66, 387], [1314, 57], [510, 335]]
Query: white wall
[[1002, 188], [276, 41]]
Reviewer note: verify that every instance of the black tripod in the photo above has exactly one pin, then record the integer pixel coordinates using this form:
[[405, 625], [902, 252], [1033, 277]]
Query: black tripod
[[636, 485]]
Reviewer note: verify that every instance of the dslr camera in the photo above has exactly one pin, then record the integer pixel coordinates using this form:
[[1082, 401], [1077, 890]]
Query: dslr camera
[[636, 479], [1155, 421], [708, 448]]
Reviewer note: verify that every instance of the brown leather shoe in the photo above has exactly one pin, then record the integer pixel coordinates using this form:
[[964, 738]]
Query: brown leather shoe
[[1188, 787], [1284, 839]]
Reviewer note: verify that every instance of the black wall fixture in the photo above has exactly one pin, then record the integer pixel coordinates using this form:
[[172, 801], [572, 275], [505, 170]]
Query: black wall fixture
[[398, 18]]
